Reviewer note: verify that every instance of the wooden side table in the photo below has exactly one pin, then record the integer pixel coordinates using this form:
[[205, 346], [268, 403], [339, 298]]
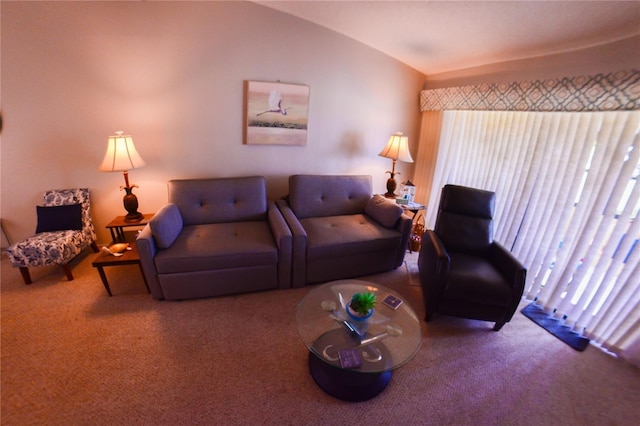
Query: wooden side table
[[129, 257], [413, 208], [117, 225], [410, 207]]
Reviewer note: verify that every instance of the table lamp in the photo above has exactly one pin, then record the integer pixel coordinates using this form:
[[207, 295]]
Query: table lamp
[[121, 156], [397, 148]]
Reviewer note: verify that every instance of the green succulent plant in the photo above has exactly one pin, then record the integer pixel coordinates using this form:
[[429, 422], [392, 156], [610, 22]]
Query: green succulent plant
[[363, 302]]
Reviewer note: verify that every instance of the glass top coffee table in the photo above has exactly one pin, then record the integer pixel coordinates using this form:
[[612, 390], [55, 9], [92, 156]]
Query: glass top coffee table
[[349, 359]]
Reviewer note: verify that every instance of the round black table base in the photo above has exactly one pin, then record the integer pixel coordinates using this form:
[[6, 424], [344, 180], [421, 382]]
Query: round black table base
[[347, 385]]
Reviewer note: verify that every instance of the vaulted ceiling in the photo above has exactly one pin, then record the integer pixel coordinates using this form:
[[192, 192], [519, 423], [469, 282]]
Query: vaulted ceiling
[[440, 36]]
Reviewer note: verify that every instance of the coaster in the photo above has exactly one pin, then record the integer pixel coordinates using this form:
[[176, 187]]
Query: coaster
[[350, 358], [392, 301]]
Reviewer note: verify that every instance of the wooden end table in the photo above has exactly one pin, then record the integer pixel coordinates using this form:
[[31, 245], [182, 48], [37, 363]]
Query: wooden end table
[[117, 225], [413, 208], [129, 257]]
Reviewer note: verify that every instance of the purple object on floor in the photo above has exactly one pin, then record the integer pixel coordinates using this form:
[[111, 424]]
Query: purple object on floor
[[553, 326]]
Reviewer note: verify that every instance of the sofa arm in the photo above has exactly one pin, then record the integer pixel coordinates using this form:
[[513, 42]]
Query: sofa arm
[[284, 241], [299, 245], [147, 250], [433, 267], [405, 223]]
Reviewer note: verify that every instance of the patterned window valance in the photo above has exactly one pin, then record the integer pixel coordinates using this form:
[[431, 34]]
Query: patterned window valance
[[615, 91]]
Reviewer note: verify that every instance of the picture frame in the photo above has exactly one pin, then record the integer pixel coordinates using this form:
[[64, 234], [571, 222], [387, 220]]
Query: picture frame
[[407, 192], [276, 113]]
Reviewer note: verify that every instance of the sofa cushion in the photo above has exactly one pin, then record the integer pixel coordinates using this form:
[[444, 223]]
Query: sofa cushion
[[219, 246], [326, 195], [346, 235], [216, 200], [59, 218], [166, 225], [384, 212]]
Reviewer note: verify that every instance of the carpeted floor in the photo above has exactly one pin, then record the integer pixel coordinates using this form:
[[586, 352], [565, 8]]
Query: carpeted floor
[[72, 355]]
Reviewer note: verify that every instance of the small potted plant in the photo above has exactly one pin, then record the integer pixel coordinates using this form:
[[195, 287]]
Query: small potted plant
[[361, 306]]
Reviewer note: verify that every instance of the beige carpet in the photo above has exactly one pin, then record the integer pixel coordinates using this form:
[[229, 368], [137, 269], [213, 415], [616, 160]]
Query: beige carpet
[[73, 356]]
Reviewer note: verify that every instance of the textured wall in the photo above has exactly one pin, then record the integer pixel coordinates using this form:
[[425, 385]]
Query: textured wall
[[172, 75]]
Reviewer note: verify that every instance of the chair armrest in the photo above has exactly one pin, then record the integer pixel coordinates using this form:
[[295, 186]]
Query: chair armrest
[[299, 246], [512, 271], [509, 267], [433, 265], [284, 241], [147, 250]]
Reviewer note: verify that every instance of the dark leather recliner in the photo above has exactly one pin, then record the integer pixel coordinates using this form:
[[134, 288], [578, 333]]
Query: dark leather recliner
[[463, 272]]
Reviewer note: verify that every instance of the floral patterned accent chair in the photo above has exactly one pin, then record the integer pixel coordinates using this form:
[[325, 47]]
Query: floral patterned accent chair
[[64, 230]]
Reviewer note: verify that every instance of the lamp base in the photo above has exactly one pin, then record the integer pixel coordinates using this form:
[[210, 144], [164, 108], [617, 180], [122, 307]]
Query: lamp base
[[133, 217], [391, 188], [131, 206]]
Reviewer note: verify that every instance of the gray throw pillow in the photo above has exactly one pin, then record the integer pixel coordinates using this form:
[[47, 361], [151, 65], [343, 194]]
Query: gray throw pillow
[[166, 225], [385, 212]]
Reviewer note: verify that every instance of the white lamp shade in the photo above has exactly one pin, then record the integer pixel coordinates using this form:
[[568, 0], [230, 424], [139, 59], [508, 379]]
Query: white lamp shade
[[121, 155], [397, 148]]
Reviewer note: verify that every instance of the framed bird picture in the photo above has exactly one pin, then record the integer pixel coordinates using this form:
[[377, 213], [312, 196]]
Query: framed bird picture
[[276, 113]]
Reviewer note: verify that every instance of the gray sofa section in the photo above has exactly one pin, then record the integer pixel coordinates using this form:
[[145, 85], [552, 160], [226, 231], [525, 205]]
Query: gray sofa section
[[340, 230], [215, 237]]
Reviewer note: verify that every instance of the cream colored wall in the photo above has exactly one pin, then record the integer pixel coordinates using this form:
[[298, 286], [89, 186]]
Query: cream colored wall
[[171, 74], [622, 55]]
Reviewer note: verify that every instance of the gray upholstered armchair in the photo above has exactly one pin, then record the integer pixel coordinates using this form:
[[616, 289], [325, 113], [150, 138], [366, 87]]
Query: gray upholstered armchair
[[215, 237], [463, 272], [340, 230]]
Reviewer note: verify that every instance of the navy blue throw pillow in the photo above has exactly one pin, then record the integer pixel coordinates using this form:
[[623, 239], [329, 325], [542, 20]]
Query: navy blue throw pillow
[[59, 218]]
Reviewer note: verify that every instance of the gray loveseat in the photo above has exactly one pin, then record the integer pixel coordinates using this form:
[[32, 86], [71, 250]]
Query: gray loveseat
[[340, 230], [215, 237]]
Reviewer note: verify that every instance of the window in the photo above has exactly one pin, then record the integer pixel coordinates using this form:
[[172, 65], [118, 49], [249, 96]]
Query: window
[[567, 206]]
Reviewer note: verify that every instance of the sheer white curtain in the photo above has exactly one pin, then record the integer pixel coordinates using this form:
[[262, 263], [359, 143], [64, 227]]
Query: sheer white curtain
[[567, 200]]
